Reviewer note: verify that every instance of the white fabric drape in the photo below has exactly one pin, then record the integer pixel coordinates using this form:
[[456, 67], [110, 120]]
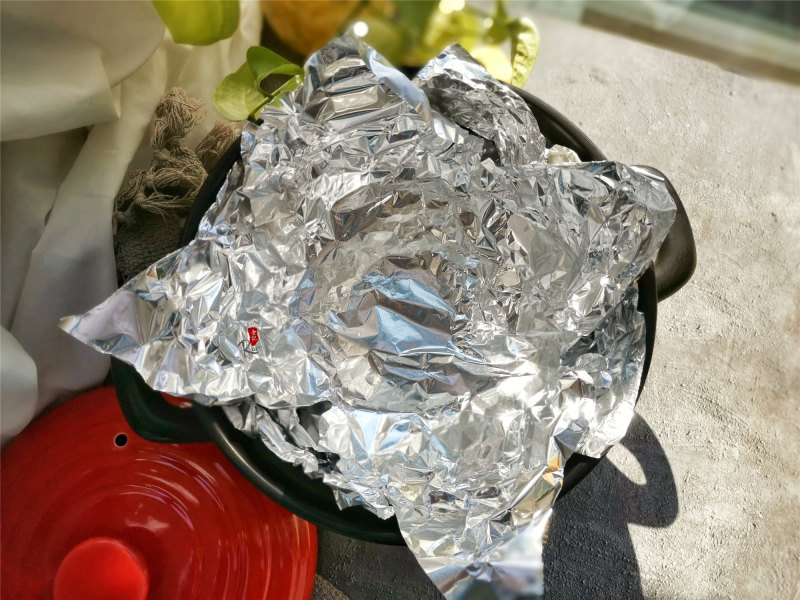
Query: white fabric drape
[[80, 82]]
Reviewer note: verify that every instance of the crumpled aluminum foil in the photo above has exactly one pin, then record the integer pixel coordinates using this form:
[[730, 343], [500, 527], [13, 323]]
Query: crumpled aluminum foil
[[398, 292]]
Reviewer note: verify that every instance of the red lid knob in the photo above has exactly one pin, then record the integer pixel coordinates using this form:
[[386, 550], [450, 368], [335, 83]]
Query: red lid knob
[[101, 569]]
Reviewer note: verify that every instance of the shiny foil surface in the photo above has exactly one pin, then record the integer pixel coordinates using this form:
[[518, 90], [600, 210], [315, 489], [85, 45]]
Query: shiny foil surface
[[400, 289]]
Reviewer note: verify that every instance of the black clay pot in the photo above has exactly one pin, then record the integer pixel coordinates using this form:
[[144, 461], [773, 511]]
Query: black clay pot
[[154, 419]]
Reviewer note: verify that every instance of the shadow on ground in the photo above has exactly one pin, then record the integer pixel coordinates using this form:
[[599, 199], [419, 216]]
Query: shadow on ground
[[365, 571], [589, 554]]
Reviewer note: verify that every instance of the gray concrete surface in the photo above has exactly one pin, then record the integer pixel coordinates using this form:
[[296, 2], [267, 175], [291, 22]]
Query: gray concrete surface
[[701, 500]]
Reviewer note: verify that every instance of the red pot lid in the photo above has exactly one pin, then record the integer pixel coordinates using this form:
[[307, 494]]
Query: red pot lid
[[91, 510]]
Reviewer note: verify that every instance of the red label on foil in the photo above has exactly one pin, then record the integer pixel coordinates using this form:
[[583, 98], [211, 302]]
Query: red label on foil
[[253, 333]]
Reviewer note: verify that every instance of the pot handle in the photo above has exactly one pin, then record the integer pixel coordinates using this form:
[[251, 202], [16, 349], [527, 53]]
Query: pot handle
[[677, 258], [149, 415]]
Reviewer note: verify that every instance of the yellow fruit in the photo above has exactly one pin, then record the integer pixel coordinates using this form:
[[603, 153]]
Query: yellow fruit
[[495, 60], [304, 25]]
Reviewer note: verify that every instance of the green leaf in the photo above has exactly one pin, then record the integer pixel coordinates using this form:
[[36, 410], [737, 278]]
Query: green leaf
[[199, 22], [462, 26], [415, 15], [498, 32], [237, 96], [273, 75], [264, 62], [524, 49], [386, 37], [263, 78]]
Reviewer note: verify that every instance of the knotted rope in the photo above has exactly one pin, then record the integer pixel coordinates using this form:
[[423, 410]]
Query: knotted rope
[[176, 172]]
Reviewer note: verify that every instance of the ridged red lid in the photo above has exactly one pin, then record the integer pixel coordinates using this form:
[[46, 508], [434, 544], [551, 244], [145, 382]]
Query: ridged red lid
[[88, 506]]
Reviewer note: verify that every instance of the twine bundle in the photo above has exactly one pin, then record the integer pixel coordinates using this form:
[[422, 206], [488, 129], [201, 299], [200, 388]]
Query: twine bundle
[[176, 172], [152, 206]]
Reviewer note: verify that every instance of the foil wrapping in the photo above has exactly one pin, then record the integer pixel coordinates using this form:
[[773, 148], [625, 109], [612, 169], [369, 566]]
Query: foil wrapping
[[397, 290]]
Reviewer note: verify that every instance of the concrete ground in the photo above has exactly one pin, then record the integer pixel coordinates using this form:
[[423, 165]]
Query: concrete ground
[[701, 499]]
